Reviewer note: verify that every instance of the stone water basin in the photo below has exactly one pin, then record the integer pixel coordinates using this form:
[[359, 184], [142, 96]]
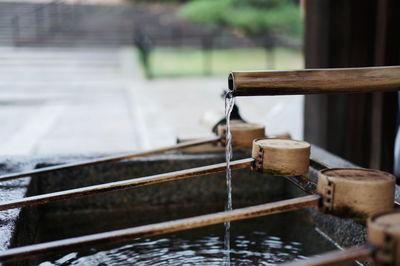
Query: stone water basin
[[260, 241]]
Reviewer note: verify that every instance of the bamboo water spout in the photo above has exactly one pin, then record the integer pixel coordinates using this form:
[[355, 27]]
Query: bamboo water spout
[[107, 159], [314, 81]]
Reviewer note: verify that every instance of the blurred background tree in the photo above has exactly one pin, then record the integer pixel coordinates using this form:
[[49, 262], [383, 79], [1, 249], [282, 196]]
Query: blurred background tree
[[267, 22]]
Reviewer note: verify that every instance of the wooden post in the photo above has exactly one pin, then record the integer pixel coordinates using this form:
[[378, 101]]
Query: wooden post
[[16, 30], [339, 33], [206, 42]]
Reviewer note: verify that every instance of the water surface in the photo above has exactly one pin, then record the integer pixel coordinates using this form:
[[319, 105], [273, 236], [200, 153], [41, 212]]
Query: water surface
[[260, 241]]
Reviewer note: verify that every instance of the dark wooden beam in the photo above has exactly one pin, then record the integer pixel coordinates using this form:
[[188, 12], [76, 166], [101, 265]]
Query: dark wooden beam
[[357, 33]]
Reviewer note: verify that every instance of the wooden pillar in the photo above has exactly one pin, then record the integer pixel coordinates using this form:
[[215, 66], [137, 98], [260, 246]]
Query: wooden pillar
[[352, 33]]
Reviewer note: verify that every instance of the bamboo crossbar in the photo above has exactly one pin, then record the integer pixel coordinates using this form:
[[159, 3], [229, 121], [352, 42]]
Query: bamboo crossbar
[[25, 252], [304, 183], [317, 165], [108, 159], [125, 184], [314, 81], [335, 257]]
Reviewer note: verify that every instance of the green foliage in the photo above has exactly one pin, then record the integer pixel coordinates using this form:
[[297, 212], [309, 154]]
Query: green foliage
[[159, 1], [167, 62], [252, 17]]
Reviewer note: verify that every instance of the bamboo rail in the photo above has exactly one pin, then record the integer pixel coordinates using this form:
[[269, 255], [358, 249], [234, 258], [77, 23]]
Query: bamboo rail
[[108, 159], [317, 165], [335, 257], [125, 184], [304, 183], [314, 81], [25, 252]]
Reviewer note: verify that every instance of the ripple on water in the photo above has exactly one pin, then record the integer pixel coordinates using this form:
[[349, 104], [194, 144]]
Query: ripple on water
[[255, 248]]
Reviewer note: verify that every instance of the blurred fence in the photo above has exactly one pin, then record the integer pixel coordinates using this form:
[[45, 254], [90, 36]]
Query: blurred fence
[[116, 25], [44, 21], [76, 24]]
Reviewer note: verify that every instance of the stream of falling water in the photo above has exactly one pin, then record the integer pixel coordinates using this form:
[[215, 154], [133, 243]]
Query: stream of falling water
[[229, 103]]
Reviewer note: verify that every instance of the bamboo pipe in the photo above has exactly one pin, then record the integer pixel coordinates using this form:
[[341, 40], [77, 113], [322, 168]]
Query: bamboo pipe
[[25, 252], [314, 81], [335, 257], [125, 184], [107, 159]]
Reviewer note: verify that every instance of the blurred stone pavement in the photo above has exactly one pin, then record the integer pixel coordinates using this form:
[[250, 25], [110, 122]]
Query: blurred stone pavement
[[94, 100]]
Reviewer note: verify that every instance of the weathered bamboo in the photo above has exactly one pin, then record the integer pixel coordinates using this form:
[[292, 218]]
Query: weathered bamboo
[[159, 228], [125, 184], [335, 257], [313, 81], [317, 165], [304, 183], [108, 159]]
